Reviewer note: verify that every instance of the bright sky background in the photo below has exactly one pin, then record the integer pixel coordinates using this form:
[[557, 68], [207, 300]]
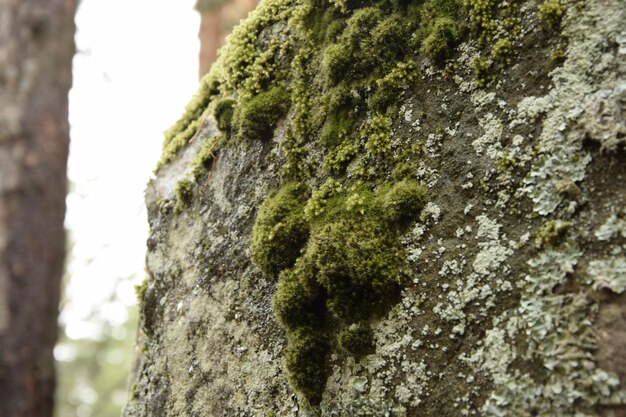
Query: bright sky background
[[135, 70]]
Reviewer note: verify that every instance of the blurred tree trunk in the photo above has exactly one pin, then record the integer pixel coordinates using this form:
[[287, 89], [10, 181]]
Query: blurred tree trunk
[[36, 50]]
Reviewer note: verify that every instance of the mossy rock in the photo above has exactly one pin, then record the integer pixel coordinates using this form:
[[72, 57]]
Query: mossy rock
[[403, 202], [357, 339], [257, 118], [306, 362], [280, 230], [223, 113]]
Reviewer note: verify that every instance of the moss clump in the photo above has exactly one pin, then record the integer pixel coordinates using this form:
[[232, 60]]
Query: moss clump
[[184, 193], [357, 339], [280, 230], [352, 56], [408, 161], [324, 25], [203, 158], [340, 156], [305, 359], [389, 36], [336, 135], [299, 300], [378, 135], [244, 61], [482, 17], [223, 113], [502, 50], [552, 232], [257, 118], [186, 127], [483, 71], [389, 87], [351, 269], [323, 202], [337, 128], [506, 162], [140, 290], [403, 200], [444, 35], [359, 266], [551, 13]]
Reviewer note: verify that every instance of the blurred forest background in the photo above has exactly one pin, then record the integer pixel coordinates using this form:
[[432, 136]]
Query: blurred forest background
[[129, 85]]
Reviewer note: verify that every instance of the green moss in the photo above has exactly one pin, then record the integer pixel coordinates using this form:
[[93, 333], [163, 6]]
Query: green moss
[[358, 265], [299, 300], [324, 25], [184, 193], [558, 55], [552, 232], [378, 136], [336, 135], [502, 50], [280, 230], [389, 88], [404, 201], [336, 62], [338, 127], [409, 161], [444, 35], [134, 392], [223, 113], [551, 13], [243, 60], [389, 37], [340, 156], [505, 162], [353, 55], [483, 71], [306, 362], [140, 290], [258, 116], [482, 17], [203, 158], [186, 127], [351, 268], [323, 202], [357, 339]]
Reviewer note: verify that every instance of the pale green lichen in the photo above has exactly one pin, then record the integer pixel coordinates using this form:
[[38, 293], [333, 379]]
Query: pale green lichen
[[608, 274], [613, 227], [560, 338]]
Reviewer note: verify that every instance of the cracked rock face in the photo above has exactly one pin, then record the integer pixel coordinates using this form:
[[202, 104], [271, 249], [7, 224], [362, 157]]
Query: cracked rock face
[[514, 300]]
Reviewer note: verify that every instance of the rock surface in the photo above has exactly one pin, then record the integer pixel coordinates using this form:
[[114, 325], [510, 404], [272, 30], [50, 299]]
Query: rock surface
[[512, 302]]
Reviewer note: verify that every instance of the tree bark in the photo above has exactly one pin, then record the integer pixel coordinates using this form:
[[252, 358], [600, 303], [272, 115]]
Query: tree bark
[[36, 50]]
